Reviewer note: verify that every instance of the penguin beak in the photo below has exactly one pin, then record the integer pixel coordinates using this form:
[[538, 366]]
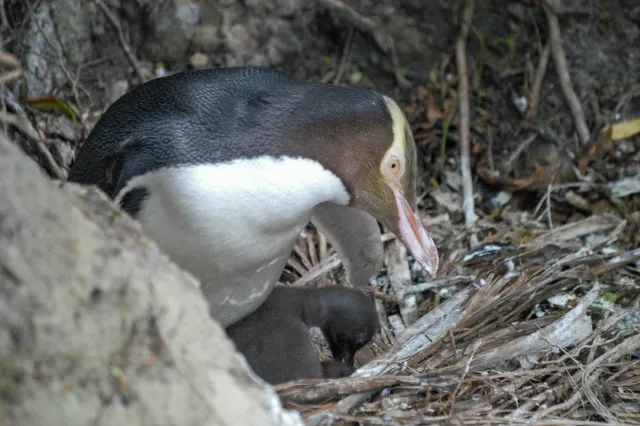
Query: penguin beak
[[414, 235]]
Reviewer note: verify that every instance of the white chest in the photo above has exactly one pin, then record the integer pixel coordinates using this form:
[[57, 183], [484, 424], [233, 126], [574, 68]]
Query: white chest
[[233, 225]]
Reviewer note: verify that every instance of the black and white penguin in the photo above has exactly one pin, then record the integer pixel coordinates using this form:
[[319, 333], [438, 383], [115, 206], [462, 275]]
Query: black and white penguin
[[223, 168], [275, 338]]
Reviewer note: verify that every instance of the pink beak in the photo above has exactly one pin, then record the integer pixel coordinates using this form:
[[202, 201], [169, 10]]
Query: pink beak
[[415, 236]]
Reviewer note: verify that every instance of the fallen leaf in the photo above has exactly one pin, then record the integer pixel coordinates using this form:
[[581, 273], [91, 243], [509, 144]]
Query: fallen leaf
[[609, 296], [597, 150], [625, 187], [434, 113], [604, 144], [625, 129], [496, 236], [538, 180], [329, 61], [122, 383], [578, 229], [409, 108], [50, 103], [449, 200], [433, 76]]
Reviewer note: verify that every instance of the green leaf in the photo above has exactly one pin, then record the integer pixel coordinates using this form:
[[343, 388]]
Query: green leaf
[[403, 72], [329, 61], [50, 103], [356, 77], [433, 76], [116, 372]]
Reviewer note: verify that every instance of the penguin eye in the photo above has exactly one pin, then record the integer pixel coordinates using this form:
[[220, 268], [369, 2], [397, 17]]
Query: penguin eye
[[394, 165]]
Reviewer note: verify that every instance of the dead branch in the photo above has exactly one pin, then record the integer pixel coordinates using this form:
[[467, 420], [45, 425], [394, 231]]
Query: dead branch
[[468, 205], [421, 334], [303, 257], [311, 247], [50, 163], [9, 60], [441, 283], [562, 70], [123, 42], [395, 258], [509, 164], [10, 75], [345, 60], [323, 247], [314, 390], [320, 270], [588, 376], [362, 23], [569, 330], [20, 121], [62, 63], [534, 96]]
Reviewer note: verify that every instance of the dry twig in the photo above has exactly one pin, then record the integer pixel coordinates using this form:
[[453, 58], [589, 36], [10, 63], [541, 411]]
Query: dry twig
[[362, 23], [441, 283], [560, 59], [345, 61], [318, 271], [534, 96], [395, 258], [588, 376], [311, 247], [415, 339], [123, 42], [468, 205], [19, 120], [509, 164], [62, 63]]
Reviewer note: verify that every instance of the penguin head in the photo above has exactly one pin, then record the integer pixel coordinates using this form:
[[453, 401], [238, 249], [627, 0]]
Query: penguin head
[[386, 188], [347, 317]]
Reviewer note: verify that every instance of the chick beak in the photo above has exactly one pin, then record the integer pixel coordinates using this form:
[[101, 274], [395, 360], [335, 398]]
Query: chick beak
[[414, 235]]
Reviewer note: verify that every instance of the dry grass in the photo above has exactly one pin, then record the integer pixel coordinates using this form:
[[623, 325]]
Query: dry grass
[[516, 330], [496, 351]]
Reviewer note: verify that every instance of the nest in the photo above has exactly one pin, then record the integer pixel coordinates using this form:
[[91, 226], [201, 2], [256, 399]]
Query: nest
[[510, 334]]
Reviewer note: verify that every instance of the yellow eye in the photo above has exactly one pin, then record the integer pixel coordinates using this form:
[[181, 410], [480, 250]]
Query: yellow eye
[[394, 165]]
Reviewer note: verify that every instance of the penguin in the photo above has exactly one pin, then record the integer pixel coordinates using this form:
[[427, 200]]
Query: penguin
[[332, 369], [276, 342], [223, 168]]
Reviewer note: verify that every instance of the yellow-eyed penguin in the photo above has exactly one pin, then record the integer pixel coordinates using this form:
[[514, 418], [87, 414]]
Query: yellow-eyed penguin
[[223, 168]]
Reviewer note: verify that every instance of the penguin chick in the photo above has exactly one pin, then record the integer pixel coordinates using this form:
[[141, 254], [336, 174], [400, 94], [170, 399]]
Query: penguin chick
[[276, 342], [332, 369], [277, 346], [347, 317]]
